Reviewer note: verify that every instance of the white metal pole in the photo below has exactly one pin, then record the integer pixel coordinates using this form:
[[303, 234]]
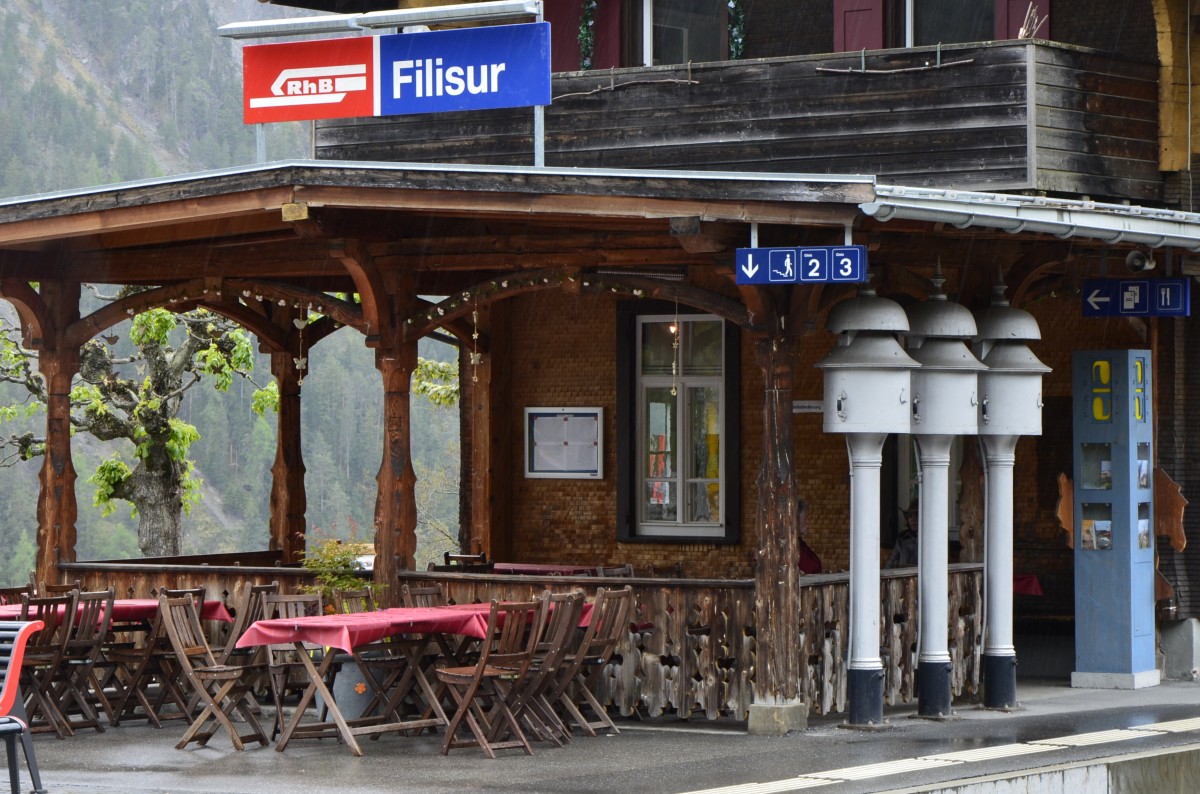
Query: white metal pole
[[999, 652], [933, 578], [865, 679]]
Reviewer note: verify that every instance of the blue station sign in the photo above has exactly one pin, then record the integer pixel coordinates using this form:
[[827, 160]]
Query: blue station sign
[[1137, 297], [503, 66], [815, 265]]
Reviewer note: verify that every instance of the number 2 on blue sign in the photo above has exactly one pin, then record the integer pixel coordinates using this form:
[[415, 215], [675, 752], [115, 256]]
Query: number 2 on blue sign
[[815, 267]]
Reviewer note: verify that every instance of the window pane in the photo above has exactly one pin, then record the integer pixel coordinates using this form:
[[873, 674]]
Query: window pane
[[702, 347], [705, 503], [660, 502], [704, 409], [689, 30], [658, 349], [948, 21], [660, 433]]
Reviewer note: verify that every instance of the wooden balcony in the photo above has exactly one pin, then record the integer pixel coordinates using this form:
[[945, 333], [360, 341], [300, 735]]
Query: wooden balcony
[[1015, 115]]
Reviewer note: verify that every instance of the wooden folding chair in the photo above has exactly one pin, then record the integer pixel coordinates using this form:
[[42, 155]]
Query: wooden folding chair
[[221, 688], [615, 571], [14, 638], [358, 599], [12, 595], [137, 668], [57, 588], [247, 612], [480, 691], [43, 655], [423, 596], [608, 625], [558, 639], [286, 672], [76, 689]]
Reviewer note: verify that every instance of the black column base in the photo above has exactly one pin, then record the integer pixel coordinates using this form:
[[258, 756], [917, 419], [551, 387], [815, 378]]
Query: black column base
[[864, 690], [933, 689], [999, 682]]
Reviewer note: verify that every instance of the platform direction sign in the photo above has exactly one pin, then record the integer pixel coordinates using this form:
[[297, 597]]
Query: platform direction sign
[[811, 265], [1137, 297]]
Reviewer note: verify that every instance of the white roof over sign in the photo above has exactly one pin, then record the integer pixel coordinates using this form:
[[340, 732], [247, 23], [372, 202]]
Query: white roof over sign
[[1112, 223]]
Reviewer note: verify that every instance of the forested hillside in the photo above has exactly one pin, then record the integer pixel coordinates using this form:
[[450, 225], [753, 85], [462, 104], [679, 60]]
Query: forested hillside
[[95, 92]]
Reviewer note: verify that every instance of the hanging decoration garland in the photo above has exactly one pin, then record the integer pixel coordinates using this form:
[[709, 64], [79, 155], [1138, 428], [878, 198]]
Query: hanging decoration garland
[[587, 35]]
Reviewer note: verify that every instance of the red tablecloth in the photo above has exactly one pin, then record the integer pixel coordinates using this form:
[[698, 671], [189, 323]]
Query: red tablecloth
[[537, 569], [355, 629], [132, 610]]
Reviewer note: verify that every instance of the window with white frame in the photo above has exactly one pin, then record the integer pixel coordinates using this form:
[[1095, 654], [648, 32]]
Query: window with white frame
[[682, 31], [678, 458]]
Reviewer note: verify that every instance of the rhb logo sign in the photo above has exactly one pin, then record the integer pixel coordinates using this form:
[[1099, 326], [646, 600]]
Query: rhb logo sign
[[309, 80], [470, 69]]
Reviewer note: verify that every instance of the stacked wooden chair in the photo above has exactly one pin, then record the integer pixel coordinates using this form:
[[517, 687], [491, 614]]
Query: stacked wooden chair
[[43, 656], [569, 689], [77, 691], [222, 689], [527, 697], [482, 691]]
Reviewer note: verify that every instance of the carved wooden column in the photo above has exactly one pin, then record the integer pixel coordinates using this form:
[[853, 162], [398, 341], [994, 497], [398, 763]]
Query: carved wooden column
[[289, 500], [395, 505], [487, 434], [57, 508], [777, 699]]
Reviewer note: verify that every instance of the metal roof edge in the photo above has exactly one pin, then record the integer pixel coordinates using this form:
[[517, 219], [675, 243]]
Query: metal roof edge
[[1064, 218]]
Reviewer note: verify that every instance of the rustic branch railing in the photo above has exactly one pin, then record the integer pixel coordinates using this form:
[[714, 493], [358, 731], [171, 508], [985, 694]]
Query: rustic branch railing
[[691, 646]]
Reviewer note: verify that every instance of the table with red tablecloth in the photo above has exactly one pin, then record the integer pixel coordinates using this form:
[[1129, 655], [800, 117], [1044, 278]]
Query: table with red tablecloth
[[354, 631], [136, 610]]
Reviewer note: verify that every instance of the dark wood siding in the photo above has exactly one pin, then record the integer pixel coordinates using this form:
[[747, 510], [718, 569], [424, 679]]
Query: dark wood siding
[[964, 125], [1096, 124]]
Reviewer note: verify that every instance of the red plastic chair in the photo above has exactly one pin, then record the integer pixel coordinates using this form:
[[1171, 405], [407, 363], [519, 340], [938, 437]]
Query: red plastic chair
[[14, 635]]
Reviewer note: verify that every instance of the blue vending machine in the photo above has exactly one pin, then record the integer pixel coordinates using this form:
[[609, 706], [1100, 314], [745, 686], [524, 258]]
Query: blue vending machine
[[1114, 520]]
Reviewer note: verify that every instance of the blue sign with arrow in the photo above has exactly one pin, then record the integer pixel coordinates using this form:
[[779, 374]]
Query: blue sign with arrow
[[1137, 297], [813, 265]]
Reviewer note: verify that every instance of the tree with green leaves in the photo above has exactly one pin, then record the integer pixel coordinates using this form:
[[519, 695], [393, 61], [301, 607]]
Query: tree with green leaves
[[137, 399]]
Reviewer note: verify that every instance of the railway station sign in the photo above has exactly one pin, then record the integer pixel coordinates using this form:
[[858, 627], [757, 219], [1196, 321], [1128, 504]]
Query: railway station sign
[[812, 265], [479, 68]]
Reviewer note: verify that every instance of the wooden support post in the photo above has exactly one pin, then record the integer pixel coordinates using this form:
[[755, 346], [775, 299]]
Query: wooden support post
[[289, 500], [777, 699], [395, 505], [487, 432], [57, 509]]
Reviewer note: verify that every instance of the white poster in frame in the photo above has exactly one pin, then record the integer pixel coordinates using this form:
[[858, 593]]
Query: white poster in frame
[[564, 443]]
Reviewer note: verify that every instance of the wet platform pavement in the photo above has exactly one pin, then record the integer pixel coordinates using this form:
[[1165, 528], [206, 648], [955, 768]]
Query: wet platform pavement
[[1057, 725]]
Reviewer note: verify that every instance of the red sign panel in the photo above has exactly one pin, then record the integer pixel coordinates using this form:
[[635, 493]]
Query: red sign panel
[[329, 79]]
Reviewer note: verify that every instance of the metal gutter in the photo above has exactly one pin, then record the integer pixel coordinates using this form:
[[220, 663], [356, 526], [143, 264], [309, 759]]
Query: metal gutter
[[1063, 218]]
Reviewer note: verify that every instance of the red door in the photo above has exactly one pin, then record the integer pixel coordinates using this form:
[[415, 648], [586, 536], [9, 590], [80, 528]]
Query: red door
[[857, 25]]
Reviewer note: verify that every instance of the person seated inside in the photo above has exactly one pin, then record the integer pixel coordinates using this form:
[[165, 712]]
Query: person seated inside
[[807, 559], [904, 554]]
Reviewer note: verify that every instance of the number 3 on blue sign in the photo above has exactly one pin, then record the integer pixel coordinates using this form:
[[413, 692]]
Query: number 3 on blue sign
[[847, 264]]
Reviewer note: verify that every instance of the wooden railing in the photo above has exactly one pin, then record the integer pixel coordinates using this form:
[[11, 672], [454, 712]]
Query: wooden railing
[[691, 645]]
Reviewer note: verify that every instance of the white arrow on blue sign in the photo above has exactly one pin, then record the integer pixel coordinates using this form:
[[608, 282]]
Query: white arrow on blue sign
[[1142, 297], [813, 265]]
